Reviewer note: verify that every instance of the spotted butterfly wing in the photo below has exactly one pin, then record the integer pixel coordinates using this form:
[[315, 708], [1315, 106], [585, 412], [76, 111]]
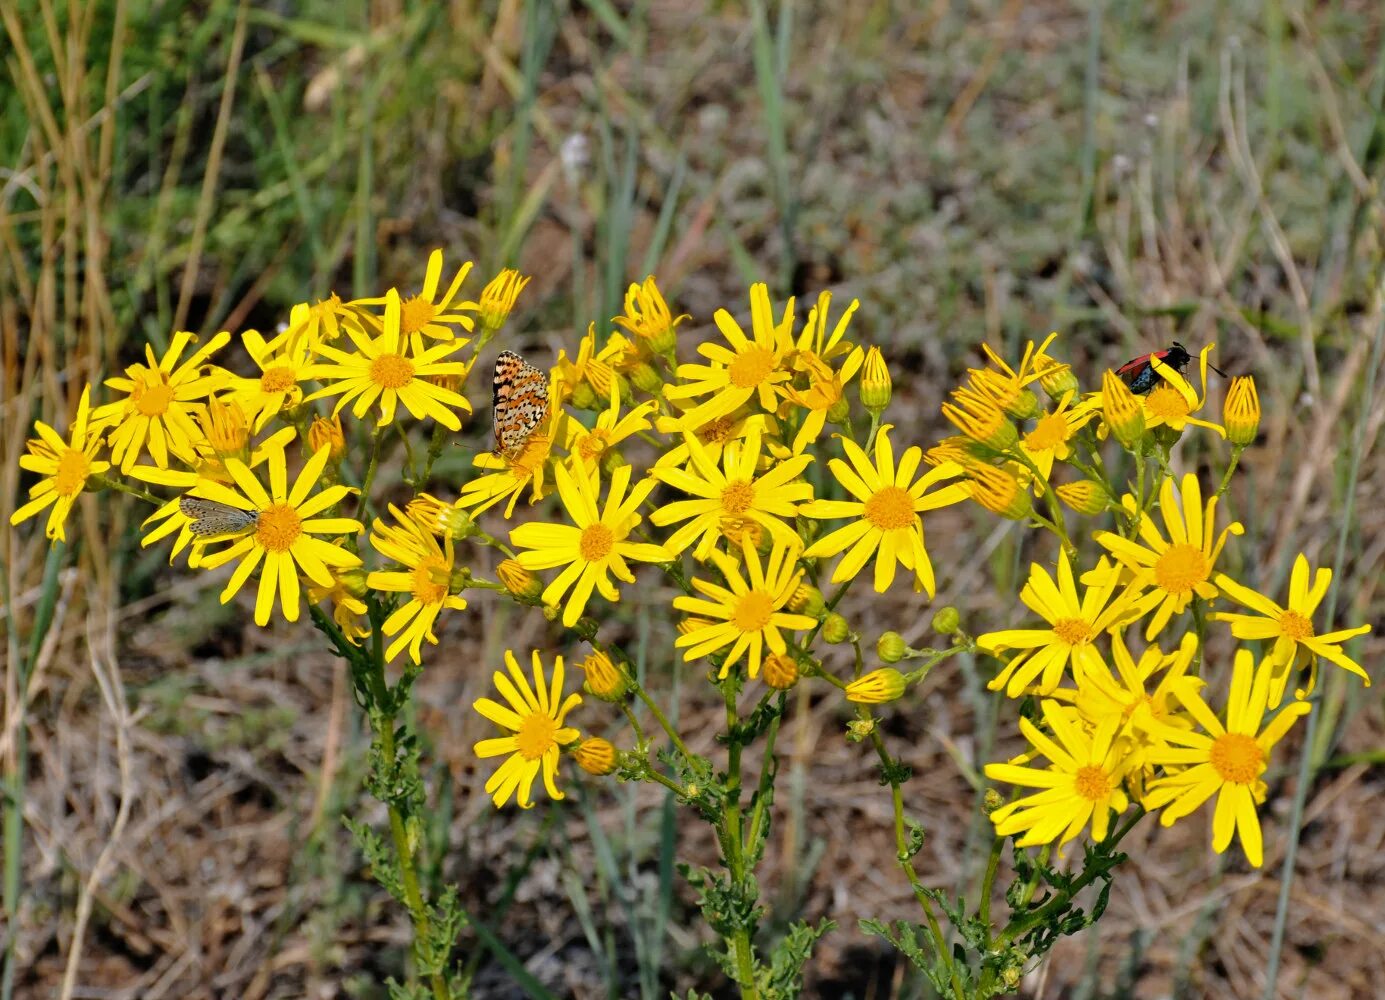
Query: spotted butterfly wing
[[519, 403], [211, 517]]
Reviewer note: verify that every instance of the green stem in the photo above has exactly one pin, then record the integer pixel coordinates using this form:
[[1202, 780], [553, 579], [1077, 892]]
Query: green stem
[[661, 718], [742, 950], [133, 491], [1230, 468], [761, 811], [375, 440]]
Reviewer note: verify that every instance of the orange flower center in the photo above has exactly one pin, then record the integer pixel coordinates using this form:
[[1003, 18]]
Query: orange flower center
[[716, 431], [537, 735], [415, 314], [751, 367], [1237, 758], [890, 508], [1166, 403], [279, 527], [152, 400], [391, 371], [596, 542], [753, 611], [430, 578], [1073, 631], [1295, 626], [71, 475], [279, 379], [1092, 783], [737, 497], [1050, 432], [593, 444], [1181, 568]]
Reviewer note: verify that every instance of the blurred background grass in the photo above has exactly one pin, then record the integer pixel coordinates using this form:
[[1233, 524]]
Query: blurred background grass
[[1124, 173]]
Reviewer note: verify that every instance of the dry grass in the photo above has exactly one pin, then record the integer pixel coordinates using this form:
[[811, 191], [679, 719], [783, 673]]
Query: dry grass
[[1217, 178]]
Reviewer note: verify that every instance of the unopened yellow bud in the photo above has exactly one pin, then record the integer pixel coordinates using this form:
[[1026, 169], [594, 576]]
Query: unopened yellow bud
[[645, 378], [1057, 379], [584, 397], [780, 671], [441, 518], [835, 629], [451, 381], [891, 647], [877, 687], [690, 625], [876, 387], [353, 581], [519, 581], [498, 299], [981, 420], [326, 432], [1122, 411], [962, 450], [596, 756], [1241, 413], [946, 620], [1086, 496], [999, 491], [806, 600], [838, 412], [605, 679], [225, 426]]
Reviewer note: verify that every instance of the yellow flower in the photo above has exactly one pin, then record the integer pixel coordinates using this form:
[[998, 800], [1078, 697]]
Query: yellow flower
[[225, 429], [714, 436], [815, 343], [311, 326], [781, 671], [348, 610], [427, 314], [282, 536], [586, 381], [1074, 623], [875, 382], [509, 476], [275, 389], [64, 467], [1085, 496], [591, 446], [326, 432], [388, 370], [1290, 627], [604, 679], [426, 578], [648, 317], [745, 615], [1179, 568], [498, 299], [1007, 388], [1122, 413], [1172, 402], [997, 490], [534, 717], [980, 418], [747, 368], [596, 547], [1048, 441], [1226, 761], [207, 467], [733, 491], [824, 394], [1082, 783], [596, 756], [1056, 378], [1241, 411], [877, 687], [887, 504], [159, 406]]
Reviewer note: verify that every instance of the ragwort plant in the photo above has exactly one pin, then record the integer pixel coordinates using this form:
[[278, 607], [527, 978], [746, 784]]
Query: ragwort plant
[[698, 472]]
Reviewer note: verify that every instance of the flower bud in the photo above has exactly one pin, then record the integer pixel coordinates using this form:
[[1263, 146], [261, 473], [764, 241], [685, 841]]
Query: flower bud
[[1056, 378], [991, 800], [441, 518], [1086, 496], [690, 625], [891, 647], [962, 450], [584, 397], [519, 581], [1122, 411], [780, 671], [981, 420], [875, 387], [644, 377], [806, 600], [835, 629], [326, 432], [596, 756], [999, 491], [1241, 412], [859, 729], [551, 612], [946, 620], [605, 679], [839, 411], [877, 687], [353, 581], [648, 317], [498, 299], [225, 426]]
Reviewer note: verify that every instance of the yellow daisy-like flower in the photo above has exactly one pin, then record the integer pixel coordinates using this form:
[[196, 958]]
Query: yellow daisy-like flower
[[591, 446], [1048, 441], [1173, 402], [282, 535], [746, 615], [348, 610], [387, 369], [596, 548], [1074, 623], [714, 435], [1226, 761], [209, 466], [64, 466], [735, 491], [429, 314], [1290, 627], [648, 317], [888, 503], [160, 405], [498, 300], [981, 418], [1081, 785], [277, 386], [587, 380], [311, 326], [1180, 567], [426, 578], [825, 391], [815, 343], [1008, 387], [508, 477], [750, 367], [534, 717]]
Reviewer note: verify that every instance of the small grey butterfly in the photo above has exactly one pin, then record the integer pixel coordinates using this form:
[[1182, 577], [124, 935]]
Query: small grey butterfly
[[210, 517]]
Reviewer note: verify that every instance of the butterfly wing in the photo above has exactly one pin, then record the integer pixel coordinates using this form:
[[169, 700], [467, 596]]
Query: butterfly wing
[[519, 402], [210, 517]]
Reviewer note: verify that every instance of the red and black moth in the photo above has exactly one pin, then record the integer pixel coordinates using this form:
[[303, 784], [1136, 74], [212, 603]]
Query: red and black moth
[[1140, 376]]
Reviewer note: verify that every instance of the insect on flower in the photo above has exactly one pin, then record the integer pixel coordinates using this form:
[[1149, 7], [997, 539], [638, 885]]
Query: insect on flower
[[211, 517], [520, 402], [1140, 376]]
